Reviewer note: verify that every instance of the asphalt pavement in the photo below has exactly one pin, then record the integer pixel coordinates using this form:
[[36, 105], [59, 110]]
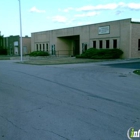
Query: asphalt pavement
[[128, 65], [94, 101]]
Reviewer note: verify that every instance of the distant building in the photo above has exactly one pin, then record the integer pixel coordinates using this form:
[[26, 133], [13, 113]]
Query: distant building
[[2, 50], [1, 41], [12, 44], [122, 34]]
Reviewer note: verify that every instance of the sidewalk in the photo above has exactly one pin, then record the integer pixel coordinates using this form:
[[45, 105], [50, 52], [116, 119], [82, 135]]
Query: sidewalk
[[54, 60]]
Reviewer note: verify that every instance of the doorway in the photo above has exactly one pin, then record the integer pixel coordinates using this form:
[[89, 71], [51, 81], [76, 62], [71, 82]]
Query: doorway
[[68, 45]]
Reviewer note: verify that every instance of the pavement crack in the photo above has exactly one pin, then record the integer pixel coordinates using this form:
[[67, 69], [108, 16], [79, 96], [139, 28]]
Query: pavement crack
[[50, 131], [96, 126], [28, 111], [83, 92], [136, 120], [12, 123]]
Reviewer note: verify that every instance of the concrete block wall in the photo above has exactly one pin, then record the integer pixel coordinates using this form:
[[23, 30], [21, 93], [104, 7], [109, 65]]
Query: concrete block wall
[[135, 36]]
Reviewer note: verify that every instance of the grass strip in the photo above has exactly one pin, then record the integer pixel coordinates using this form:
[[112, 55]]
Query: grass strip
[[136, 72]]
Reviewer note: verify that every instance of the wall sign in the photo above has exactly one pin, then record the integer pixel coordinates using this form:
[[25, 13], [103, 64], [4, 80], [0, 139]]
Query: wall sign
[[104, 30]]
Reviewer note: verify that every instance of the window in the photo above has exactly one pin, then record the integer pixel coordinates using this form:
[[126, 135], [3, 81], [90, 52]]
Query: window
[[84, 47], [94, 44], [115, 43], [107, 44], [53, 49], [43, 47], [139, 44], [24, 50], [47, 47], [37, 47], [40, 47], [16, 43], [100, 44]]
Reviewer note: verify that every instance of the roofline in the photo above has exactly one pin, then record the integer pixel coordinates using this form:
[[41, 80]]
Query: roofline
[[84, 25]]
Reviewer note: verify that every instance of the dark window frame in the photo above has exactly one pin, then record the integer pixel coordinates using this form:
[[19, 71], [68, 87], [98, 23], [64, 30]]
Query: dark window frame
[[94, 44], [43, 47], [47, 47], [107, 44], [138, 44], [115, 43], [37, 47], [100, 44]]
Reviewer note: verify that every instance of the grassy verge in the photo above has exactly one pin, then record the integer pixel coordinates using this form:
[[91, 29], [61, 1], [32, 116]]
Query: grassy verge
[[136, 72], [4, 58], [59, 60]]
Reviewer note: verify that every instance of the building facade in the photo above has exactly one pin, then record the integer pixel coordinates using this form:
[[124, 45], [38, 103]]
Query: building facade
[[123, 34], [1, 41], [3, 51], [12, 44]]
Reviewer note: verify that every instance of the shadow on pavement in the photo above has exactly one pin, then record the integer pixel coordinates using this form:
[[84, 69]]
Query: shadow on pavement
[[130, 65]]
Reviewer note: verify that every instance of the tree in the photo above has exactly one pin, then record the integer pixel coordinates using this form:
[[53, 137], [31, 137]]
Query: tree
[[1, 41]]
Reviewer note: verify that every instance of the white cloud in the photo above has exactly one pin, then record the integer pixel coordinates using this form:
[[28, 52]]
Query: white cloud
[[90, 11], [83, 23], [89, 14], [59, 19], [134, 6], [66, 10], [110, 6], [34, 9], [121, 4], [85, 8], [136, 19]]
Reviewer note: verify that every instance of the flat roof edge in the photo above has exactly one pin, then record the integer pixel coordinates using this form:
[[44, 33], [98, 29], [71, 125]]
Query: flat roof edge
[[130, 19]]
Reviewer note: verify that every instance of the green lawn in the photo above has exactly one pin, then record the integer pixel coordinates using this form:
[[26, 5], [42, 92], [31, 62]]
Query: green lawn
[[59, 60], [137, 72]]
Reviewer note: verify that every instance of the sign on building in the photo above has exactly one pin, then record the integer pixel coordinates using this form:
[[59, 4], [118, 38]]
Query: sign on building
[[104, 30]]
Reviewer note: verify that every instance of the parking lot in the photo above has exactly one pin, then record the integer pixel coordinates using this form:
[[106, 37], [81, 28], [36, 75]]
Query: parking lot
[[88, 101]]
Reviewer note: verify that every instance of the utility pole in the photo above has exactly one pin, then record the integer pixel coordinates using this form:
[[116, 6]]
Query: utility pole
[[20, 30]]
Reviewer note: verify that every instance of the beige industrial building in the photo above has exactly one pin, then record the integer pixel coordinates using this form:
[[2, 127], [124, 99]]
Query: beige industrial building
[[123, 34]]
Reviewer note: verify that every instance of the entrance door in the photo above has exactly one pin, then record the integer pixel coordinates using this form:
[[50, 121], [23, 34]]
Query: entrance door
[[24, 50], [16, 51], [53, 49], [76, 48], [84, 47]]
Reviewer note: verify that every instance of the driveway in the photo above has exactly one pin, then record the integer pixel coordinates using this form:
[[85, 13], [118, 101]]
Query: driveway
[[93, 101]]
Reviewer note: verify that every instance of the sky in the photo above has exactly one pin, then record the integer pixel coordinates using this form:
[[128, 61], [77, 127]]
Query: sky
[[43, 15]]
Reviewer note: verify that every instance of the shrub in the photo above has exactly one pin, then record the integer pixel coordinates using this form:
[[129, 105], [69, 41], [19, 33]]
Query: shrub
[[39, 53], [101, 53]]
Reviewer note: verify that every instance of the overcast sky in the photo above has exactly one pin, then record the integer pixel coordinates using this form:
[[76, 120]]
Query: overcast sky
[[42, 15]]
